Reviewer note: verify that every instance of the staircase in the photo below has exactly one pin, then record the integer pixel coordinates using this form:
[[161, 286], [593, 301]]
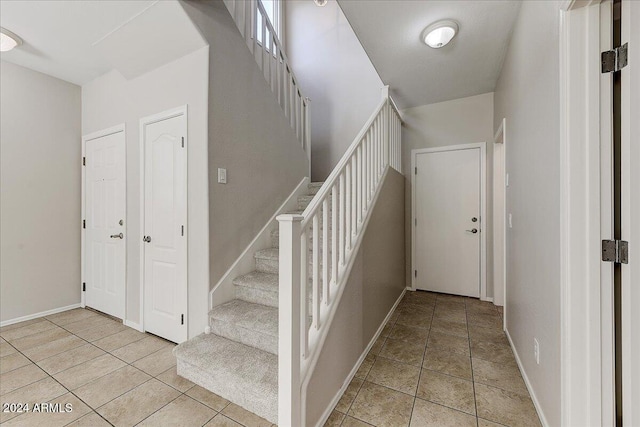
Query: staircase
[[238, 360], [265, 343]]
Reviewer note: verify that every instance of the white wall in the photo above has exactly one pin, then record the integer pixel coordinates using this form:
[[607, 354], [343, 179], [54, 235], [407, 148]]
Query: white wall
[[335, 72], [527, 94], [110, 100], [460, 121], [39, 192]]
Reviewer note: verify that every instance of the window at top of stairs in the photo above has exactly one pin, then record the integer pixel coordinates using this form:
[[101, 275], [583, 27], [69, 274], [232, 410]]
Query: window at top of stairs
[[274, 13]]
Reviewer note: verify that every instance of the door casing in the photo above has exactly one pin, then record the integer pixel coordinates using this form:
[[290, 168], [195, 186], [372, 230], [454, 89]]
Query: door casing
[[483, 209], [83, 279], [586, 216], [169, 114], [630, 139], [500, 218]]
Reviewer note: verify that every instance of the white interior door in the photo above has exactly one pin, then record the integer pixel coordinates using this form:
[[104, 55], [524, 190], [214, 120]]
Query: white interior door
[[447, 240], [164, 228], [105, 230], [630, 138]]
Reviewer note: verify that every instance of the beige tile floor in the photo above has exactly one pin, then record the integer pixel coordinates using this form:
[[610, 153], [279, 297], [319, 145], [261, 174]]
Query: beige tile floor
[[109, 373], [441, 361]]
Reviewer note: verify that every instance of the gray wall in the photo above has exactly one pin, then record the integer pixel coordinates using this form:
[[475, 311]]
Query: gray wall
[[376, 282], [248, 135], [110, 100], [39, 192], [335, 72], [460, 121], [527, 95]]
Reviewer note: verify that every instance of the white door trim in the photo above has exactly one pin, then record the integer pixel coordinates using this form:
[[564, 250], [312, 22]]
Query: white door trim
[[500, 223], [169, 114], [483, 208], [586, 358], [86, 138], [630, 153]]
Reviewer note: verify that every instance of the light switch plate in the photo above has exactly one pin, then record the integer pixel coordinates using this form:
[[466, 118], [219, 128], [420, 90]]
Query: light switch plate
[[222, 176]]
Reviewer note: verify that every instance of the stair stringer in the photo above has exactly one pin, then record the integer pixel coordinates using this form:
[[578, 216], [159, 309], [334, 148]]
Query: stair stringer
[[224, 290], [308, 367]]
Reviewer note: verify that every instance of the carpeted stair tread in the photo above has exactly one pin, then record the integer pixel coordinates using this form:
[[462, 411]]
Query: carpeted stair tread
[[269, 253], [242, 374], [314, 187], [258, 280], [255, 317]]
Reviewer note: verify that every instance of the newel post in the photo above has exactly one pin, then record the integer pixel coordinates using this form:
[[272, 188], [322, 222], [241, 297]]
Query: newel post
[[386, 119], [289, 387]]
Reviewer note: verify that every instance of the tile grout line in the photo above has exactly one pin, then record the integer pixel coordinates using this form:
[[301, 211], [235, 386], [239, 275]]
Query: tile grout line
[[61, 385], [473, 378], [92, 409], [160, 408], [426, 344]]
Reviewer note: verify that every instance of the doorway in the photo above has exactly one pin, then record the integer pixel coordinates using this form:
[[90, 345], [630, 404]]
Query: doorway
[[163, 139], [104, 237], [448, 213]]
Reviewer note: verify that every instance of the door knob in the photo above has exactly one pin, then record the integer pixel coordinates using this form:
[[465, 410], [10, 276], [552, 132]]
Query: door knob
[[473, 230], [146, 239], [117, 236]]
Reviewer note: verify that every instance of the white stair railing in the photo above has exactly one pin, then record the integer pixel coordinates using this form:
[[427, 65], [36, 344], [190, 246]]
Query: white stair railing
[[317, 250], [262, 40]]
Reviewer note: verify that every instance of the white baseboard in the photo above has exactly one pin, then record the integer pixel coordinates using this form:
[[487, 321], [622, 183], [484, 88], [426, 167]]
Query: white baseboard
[[488, 299], [336, 398], [36, 315], [543, 420], [224, 291], [134, 325]]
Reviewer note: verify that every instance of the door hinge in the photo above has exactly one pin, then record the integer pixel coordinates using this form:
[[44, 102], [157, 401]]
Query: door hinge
[[182, 319], [84, 223], [84, 161], [183, 142], [416, 171], [415, 273], [84, 286], [616, 251], [182, 230], [614, 60]]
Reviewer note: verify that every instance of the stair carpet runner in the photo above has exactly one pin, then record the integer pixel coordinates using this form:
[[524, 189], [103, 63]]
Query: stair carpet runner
[[238, 359]]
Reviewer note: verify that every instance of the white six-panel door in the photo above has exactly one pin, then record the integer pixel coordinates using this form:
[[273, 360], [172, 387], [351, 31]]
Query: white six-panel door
[[164, 225], [447, 199], [105, 230]]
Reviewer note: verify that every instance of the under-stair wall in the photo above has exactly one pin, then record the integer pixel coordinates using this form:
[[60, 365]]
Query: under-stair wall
[[374, 286], [248, 135]]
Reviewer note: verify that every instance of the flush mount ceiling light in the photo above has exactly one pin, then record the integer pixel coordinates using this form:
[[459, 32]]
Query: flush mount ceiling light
[[440, 33], [320, 2], [8, 40]]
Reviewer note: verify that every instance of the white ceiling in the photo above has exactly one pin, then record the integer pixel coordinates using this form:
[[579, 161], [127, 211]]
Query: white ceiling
[[470, 65], [78, 41]]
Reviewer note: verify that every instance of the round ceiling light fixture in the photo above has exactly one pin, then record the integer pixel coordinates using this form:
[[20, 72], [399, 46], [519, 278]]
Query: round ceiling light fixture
[[320, 2], [8, 40], [440, 33]]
